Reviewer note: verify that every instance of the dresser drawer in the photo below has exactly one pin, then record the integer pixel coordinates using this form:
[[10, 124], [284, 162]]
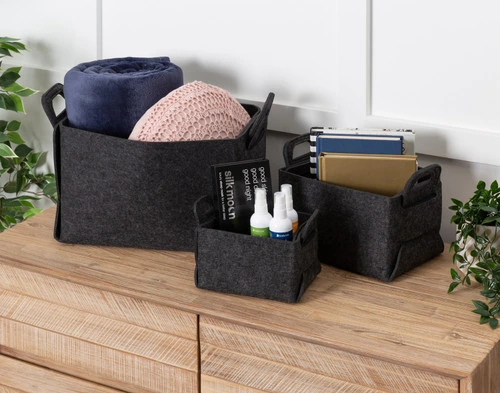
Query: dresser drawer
[[21, 377], [236, 358], [114, 340]]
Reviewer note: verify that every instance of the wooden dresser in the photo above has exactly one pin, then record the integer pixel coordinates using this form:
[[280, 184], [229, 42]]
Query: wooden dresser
[[100, 319]]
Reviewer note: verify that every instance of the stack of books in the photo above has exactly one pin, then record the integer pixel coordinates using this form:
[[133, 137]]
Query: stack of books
[[375, 160]]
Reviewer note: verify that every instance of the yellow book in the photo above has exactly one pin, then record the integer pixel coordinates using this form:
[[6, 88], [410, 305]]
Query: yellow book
[[384, 174]]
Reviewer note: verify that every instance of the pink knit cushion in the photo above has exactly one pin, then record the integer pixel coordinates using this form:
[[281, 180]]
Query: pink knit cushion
[[194, 111]]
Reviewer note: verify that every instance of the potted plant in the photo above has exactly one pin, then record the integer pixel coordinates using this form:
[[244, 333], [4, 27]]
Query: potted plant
[[21, 183], [476, 250]]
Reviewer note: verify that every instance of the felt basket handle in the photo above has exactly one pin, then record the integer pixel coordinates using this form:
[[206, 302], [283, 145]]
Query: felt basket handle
[[48, 103], [203, 210], [289, 151], [258, 124], [422, 185], [307, 231]]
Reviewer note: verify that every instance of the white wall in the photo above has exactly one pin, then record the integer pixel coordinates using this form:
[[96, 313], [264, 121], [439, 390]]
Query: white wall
[[336, 62]]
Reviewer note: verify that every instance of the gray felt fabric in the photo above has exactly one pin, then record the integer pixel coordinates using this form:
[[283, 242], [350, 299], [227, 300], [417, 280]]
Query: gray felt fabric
[[252, 266], [118, 192], [370, 234]]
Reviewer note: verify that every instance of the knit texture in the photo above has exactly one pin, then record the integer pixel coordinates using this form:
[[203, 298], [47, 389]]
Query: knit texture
[[195, 111], [147, 203]]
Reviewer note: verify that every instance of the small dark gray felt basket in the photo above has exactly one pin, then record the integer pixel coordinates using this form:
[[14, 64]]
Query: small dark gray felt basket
[[120, 192], [370, 234], [241, 264]]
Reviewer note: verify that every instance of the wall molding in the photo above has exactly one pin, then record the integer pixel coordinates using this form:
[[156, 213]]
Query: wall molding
[[99, 36], [354, 107], [294, 119]]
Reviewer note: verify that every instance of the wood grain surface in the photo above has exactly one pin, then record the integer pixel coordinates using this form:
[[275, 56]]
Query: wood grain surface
[[408, 324], [94, 347], [21, 377], [225, 345]]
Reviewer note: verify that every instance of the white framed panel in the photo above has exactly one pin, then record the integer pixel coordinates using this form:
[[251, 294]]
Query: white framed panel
[[383, 81], [249, 49], [437, 62]]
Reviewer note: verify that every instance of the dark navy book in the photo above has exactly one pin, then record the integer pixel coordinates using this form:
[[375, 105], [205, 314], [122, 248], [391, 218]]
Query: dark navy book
[[358, 144], [407, 134]]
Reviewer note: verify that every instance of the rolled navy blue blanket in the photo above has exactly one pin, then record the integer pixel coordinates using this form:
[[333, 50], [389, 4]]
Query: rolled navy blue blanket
[[109, 96]]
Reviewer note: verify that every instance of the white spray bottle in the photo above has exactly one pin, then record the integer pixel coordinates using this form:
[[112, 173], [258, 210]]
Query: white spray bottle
[[290, 211], [259, 221], [280, 226]]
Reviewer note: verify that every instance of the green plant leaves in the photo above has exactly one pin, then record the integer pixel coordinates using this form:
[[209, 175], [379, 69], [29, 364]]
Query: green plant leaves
[[455, 276], [457, 204], [491, 219], [9, 44], [18, 102], [23, 150], [50, 188], [6, 151], [31, 212], [458, 258], [15, 137], [482, 261], [12, 92], [13, 125], [7, 102], [487, 315], [18, 162], [13, 209], [487, 208], [452, 286], [10, 187], [11, 102], [20, 90], [480, 305], [8, 78]]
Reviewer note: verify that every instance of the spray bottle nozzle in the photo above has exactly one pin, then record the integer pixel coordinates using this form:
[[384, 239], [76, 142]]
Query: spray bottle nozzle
[[260, 200], [279, 205]]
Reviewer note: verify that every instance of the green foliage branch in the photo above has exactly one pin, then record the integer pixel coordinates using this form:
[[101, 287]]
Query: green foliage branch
[[21, 184], [482, 261]]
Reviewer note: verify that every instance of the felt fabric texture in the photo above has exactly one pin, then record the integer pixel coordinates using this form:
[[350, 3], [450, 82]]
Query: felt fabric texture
[[370, 234], [193, 112], [118, 192], [266, 268], [109, 96]]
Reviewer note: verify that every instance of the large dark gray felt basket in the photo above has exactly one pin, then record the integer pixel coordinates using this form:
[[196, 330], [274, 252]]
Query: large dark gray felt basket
[[370, 234], [119, 192], [241, 264]]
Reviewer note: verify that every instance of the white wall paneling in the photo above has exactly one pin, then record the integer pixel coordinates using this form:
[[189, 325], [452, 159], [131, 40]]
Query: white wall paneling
[[59, 33], [249, 49], [430, 65], [427, 65], [437, 62]]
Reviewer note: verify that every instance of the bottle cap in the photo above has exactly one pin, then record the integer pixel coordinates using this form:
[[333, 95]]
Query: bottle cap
[[287, 190], [279, 205], [260, 200]]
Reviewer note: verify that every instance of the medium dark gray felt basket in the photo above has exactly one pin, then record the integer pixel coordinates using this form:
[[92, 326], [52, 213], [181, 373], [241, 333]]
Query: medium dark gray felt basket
[[241, 264], [366, 233], [119, 192]]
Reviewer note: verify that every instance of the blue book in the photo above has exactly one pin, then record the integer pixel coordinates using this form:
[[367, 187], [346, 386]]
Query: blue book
[[358, 144], [407, 134]]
